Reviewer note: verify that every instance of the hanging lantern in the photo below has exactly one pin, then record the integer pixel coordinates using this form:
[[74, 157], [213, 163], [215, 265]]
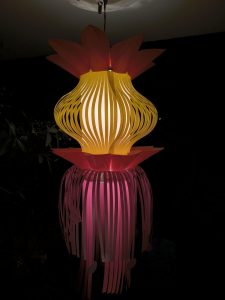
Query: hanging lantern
[[106, 115]]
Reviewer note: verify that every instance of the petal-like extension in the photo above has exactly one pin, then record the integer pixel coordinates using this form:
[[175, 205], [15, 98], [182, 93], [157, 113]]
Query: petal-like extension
[[59, 61], [106, 162], [97, 44], [122, 53], [73, 53], [95, 54], [143, 60]]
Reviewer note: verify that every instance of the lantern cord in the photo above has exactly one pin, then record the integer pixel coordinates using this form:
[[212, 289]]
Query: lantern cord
[[102, 4], [105, 3]]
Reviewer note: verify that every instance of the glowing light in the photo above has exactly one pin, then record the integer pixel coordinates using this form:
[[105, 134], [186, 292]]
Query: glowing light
[[105, 114]]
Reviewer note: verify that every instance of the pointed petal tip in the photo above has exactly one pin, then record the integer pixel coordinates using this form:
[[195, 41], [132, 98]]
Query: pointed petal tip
[[59, 61], [93, 27], [161, 51], [157, 52], [54, 42], [96, 43], [90, 29], [51, 57]]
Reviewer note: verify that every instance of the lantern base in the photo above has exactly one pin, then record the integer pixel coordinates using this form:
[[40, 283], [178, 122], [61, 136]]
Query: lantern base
[[98, 212]]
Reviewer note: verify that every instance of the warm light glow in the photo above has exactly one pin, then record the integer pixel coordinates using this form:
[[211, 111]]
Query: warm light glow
[[105, 113]]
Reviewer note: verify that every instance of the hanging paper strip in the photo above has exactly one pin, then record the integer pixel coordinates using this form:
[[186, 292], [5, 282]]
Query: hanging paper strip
[[98, 213]]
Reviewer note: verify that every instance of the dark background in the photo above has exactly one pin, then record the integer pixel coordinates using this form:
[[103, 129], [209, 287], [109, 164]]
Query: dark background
[[187, 177]]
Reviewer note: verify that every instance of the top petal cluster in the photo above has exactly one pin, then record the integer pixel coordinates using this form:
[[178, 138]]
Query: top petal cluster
[[95, 54]]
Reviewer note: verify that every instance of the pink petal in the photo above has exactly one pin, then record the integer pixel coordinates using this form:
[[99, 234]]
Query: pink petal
[[142, 61], [96, 43], [73, 53], [59, 61], [122, 52]]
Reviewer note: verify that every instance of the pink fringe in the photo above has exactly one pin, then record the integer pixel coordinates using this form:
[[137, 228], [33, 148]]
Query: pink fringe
[[98, 217]]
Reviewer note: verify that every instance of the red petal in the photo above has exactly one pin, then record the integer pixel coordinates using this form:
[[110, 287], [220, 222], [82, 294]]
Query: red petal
[[97, 45], [142, 61], [59, 61], [73, 53], [121, 53]]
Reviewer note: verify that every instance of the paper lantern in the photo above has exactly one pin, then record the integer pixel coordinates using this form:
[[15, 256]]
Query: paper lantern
[[106, 115]]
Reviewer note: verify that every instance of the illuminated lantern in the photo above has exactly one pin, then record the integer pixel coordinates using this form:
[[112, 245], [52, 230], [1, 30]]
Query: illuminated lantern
[[106, 115]]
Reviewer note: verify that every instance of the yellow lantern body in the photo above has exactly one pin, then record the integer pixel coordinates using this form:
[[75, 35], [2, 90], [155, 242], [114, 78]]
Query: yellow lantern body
[[105, 113]]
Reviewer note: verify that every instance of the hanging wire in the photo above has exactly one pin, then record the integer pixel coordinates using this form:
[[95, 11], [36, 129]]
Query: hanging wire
[[105, 3], [102, 6]]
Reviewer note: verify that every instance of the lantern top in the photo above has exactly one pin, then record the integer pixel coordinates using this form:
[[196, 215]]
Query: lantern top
[[95, 54]]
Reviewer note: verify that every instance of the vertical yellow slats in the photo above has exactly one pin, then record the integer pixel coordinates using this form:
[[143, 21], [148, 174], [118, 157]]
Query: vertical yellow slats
[[105, 114]]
